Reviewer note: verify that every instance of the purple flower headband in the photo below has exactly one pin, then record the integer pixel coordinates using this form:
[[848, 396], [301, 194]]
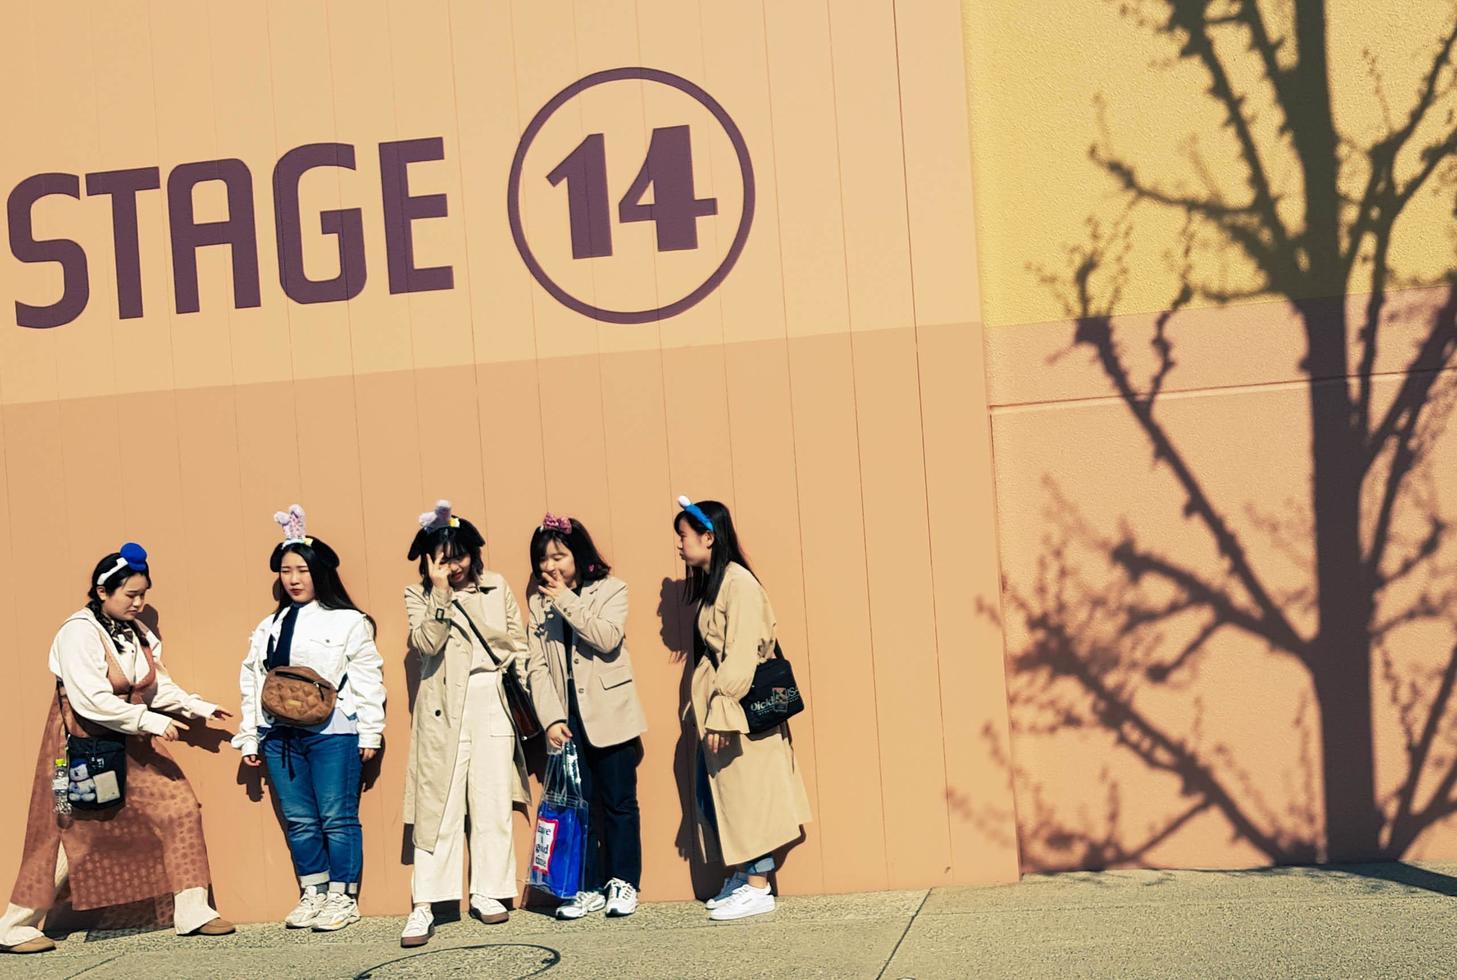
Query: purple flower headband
[[555, 522]]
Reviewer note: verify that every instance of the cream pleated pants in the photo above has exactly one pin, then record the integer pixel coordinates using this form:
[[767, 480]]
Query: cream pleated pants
[[485, 767]]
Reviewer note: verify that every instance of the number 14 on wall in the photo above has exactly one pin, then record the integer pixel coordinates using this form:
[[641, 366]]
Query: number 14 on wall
[[668, 168]]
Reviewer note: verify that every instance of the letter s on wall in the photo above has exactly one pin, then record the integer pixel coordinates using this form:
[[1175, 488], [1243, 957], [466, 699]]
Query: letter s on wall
[[76, 285]]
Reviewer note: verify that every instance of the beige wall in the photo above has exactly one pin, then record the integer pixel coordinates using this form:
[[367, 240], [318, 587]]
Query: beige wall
[[830, 390]]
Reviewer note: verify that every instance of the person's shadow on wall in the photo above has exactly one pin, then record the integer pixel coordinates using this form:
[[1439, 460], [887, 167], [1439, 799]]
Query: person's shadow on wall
[[676, 631], [201, 732]]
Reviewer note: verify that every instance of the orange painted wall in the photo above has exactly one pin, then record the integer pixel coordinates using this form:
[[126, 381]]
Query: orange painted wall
[[830, 390]]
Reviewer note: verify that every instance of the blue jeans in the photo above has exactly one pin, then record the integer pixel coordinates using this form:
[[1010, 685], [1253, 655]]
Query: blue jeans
[[758, 866], [315, 779]]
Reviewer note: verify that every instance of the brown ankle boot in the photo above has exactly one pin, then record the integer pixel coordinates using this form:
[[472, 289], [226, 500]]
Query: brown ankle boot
[[40, 944]]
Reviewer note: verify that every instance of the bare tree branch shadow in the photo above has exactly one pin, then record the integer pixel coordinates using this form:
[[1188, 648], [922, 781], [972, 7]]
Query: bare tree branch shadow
[[1370, 538]]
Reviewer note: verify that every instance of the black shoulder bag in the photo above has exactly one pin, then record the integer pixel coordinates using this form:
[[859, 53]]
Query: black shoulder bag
[[523, 713], [773, 697]]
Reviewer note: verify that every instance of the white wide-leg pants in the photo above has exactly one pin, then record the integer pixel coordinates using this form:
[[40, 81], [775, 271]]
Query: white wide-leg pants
[[485, 765]]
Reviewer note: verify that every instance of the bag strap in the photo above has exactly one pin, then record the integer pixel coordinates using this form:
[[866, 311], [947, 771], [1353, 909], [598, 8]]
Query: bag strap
[[472, 623], [61, 709], [702, 649]]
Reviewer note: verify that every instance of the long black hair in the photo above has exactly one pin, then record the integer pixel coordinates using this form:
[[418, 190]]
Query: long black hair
[[702, 584], [323, 563], [459, 539], [591, 566], [134, 565]]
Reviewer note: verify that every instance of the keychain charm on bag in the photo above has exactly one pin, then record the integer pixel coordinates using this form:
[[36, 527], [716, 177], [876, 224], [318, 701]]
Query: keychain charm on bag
[[61, 785]]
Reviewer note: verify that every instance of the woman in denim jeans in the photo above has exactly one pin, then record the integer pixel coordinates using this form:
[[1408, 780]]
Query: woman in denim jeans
[[315, 771]]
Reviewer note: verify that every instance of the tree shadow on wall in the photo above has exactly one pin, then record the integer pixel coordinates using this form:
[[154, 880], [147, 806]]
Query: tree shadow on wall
[[1314, 218]]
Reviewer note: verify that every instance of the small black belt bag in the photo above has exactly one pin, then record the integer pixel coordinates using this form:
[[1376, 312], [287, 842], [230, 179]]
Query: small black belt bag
[[95, 767]]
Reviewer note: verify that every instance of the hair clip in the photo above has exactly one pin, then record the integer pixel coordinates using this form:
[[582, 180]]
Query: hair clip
[[132, 556], [696, 511], [434, 520], [554, 522], [292, 522]]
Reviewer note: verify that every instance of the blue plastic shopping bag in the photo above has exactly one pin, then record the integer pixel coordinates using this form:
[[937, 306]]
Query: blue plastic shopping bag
[[560, 848]]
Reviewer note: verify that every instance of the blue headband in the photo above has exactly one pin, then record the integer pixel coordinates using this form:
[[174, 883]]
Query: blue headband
[[132, 556], [696, 511]]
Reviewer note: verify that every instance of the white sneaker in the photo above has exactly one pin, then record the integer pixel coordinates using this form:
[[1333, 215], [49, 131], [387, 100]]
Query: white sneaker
[[731, 884], [621, 898], [339, 911], [310, 904], [419, 927], [743, 903], [488, 910], [584, 904]]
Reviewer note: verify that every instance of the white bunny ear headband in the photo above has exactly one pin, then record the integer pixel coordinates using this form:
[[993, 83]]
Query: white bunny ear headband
[[434, 520], [696, 511], [292, 522]]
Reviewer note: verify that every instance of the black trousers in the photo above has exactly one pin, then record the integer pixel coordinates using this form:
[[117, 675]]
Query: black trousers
[[614, 828]]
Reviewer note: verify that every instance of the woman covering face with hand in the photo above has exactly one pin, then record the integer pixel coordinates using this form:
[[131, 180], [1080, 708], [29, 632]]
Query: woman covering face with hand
[[133, 832], [583, 687], [465, 757]]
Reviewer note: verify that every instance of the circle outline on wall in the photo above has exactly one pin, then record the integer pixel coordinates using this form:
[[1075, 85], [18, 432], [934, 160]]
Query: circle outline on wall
[[513, 195]]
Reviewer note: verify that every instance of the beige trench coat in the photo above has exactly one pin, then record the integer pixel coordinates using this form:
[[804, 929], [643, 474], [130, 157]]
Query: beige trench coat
[[601, 665], [758, 794], [441, 637]]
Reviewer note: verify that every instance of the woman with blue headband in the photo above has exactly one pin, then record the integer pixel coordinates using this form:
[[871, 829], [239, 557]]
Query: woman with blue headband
[[748, 793], [109, 809]]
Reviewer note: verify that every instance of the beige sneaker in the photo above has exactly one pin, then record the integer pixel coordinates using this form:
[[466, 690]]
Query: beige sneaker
[[419, 927], [310, 904], [489, 911], [339, 910]]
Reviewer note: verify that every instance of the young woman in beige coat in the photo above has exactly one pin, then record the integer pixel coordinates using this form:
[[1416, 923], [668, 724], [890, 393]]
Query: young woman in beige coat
[[465, 626], [582, 683], [749, 795]]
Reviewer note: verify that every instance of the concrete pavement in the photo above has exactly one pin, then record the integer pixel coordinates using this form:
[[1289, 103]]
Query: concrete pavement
[[1393, 920]]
